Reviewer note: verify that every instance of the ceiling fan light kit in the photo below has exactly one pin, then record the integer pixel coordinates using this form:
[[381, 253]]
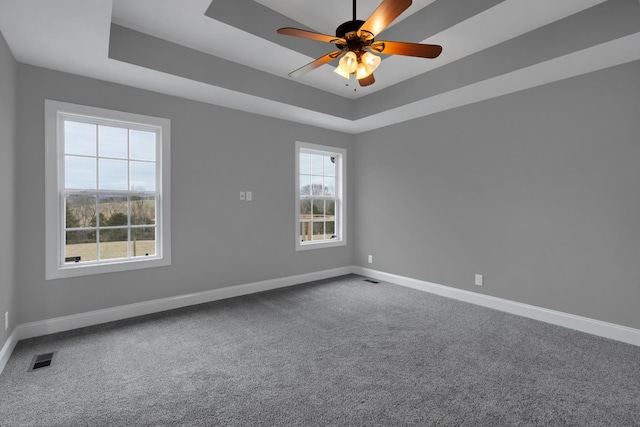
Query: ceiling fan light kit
[[356, 40]]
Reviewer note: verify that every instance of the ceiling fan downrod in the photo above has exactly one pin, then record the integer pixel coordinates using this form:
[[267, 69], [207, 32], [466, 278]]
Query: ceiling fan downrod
[[349, 27]]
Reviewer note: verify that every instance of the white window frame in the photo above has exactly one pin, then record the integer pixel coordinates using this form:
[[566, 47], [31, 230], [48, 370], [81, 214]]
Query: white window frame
[[55, 114], [341, 186]]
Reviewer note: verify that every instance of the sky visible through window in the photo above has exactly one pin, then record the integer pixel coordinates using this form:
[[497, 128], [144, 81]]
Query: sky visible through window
[[124, 157], [317, 175]]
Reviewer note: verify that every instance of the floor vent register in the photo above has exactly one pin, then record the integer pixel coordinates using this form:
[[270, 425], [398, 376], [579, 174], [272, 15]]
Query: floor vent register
[[42, 361]]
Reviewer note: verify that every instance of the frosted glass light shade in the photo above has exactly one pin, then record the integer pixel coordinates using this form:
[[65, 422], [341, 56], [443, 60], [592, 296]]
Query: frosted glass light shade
[[349, 62], [362, 72], [341, 72], [370, 61]]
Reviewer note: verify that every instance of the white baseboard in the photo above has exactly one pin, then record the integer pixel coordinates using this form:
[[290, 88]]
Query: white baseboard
[[7, 349], [81, 320], [579, 323]]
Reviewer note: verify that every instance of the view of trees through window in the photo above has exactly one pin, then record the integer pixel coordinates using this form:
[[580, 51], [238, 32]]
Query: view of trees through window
[[318, 196], [107, 190], [109, 227], [110, 192]]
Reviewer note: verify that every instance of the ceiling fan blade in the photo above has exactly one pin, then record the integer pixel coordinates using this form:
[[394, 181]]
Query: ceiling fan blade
[[296, 32], [315, 64], [369, 80], [407, 49], [383, 16]]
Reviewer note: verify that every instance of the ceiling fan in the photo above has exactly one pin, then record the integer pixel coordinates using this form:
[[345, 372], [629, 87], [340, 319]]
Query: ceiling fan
[[355, 40]]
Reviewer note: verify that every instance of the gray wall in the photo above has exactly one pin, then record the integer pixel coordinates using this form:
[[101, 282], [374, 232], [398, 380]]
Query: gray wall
[[217, 240], [537, 190], [8, 100]]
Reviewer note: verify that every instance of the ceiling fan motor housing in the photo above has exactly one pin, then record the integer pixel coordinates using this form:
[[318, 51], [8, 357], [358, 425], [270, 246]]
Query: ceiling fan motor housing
[[349, 32], [347, 27]]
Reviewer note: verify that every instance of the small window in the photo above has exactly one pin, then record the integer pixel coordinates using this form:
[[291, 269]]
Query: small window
[[107, 190], [320, 201]]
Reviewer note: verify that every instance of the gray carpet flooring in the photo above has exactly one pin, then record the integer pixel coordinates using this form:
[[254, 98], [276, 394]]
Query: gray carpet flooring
[[341, 352]]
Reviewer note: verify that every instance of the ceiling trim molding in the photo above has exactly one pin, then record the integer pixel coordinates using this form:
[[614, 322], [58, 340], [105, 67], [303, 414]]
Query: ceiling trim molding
[[610, 54], [493, 48], [143, 50], [593, 26]]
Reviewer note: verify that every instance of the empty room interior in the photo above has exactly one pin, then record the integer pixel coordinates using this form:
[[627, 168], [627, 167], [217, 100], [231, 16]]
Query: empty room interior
[[279, 212]]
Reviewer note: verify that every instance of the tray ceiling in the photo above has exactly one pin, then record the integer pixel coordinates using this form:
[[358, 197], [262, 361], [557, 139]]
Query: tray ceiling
[[227, 52]]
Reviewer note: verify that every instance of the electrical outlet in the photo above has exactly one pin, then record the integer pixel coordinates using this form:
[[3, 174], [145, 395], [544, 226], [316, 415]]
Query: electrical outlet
[[370, 259], [479, 279], [6, 320], [243, 196], [249, 196]]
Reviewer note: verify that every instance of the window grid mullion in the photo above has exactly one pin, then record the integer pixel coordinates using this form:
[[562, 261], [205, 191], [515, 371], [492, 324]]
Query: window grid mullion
[[129, 159], [123, 193], [129, 227], [97, 143], [97, 229], [305, 197]]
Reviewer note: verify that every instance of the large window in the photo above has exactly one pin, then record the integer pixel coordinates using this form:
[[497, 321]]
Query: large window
[[320, 198], [107, 190]]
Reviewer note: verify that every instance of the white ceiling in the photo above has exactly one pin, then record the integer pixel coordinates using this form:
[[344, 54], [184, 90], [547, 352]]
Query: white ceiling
[[490, 48], [325, 16]]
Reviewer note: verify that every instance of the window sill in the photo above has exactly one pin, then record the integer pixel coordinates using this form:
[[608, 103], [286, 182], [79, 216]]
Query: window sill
[[319, 245], [111, 267]]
